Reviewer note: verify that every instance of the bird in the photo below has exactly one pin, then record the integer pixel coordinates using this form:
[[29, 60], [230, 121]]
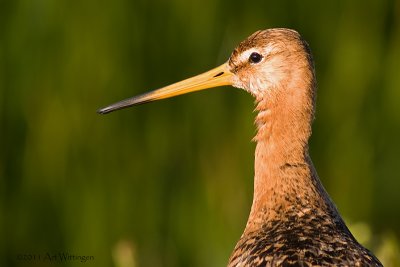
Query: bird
[[293, 221]]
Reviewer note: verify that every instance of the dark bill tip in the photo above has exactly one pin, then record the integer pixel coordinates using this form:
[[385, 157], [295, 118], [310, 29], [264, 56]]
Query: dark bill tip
[[104, 110], [133, 101]]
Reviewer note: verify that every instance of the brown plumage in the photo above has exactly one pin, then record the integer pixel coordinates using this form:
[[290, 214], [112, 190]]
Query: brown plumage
[[292, 222]]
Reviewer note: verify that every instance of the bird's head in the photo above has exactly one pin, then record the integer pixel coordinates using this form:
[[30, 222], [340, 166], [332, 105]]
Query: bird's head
[[269, 60], [265, 61]]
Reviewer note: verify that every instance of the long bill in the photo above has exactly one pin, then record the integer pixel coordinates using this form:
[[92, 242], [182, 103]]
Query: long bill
[[218, 76]]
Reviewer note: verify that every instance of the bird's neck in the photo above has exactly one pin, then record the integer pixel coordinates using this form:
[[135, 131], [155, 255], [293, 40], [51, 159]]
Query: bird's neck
[[285, 179]]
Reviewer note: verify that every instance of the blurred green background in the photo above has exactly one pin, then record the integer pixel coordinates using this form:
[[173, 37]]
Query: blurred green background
[[170, 183]]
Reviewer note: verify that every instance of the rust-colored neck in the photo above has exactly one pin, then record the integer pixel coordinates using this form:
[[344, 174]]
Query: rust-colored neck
[[285, 179]]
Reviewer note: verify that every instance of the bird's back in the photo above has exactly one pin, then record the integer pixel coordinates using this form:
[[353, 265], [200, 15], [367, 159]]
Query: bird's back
[[314, 238]]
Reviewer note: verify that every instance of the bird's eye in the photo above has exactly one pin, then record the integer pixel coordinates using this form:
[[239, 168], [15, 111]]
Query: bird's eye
[[255, 57]]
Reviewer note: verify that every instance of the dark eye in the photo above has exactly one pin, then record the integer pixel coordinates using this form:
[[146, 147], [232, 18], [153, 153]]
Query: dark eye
[[255, 57]]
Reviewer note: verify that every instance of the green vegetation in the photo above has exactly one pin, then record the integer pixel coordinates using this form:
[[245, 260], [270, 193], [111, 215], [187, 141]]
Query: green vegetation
[[170, 183]]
